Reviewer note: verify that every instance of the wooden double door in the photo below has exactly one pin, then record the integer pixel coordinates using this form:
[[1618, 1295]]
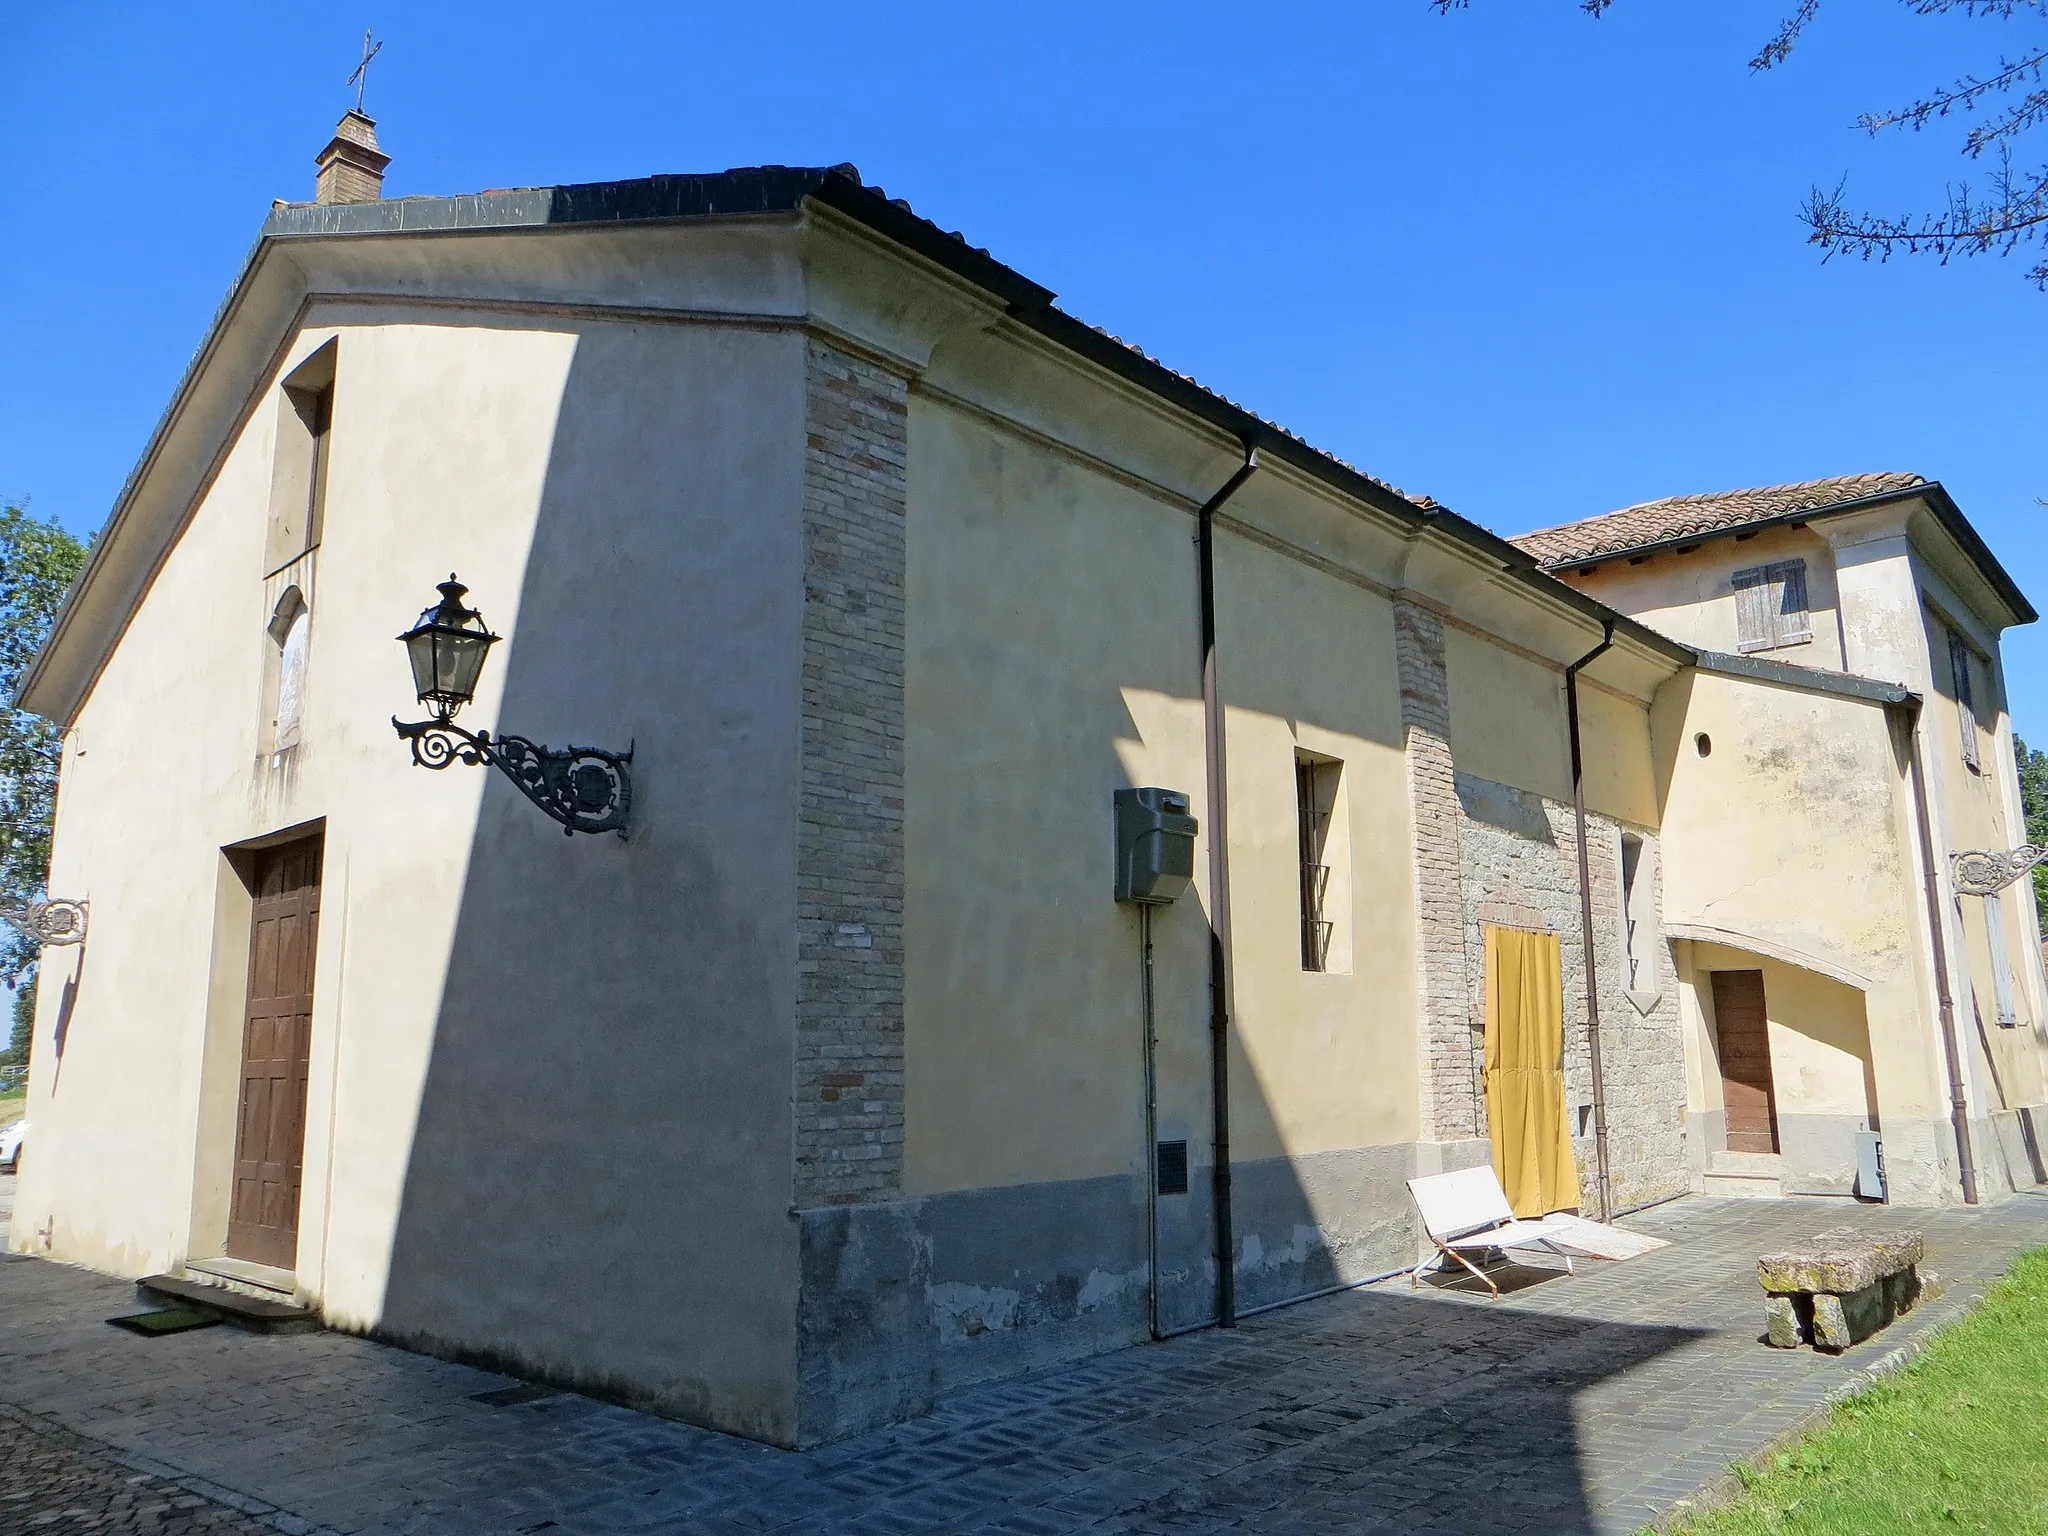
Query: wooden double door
[[277, 1040], [1742, 1034]]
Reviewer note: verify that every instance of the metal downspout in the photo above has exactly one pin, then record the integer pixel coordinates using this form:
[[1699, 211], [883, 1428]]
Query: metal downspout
[[1958, 1102], [1219, 895], [1151, 1124], [1571, 706]]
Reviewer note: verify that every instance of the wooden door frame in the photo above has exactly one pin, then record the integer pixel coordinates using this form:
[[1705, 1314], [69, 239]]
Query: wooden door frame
[[275, 1070], [213, 1152], [1720, 1055]]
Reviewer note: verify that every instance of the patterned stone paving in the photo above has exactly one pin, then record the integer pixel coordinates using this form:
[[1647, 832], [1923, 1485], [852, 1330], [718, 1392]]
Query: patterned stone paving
[[1587, 1403], [52, 1481]]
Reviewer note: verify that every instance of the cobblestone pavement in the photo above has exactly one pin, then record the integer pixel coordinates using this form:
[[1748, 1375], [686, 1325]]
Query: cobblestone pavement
[[1587, 1403], [52, 1481]]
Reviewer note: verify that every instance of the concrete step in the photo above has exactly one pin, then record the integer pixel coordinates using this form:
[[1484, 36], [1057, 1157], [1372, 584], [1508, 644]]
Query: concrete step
[[245, 1311], [265, 1282], [1755, 1175]]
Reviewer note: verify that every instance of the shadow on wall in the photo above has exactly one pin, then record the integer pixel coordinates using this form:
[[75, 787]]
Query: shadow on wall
[[598, 1191], [67, 1004], [598, 1187]]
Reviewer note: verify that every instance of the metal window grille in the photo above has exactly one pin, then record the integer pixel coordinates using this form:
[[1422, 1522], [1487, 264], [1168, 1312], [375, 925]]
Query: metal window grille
[[1315, 796], [1173, 1167]]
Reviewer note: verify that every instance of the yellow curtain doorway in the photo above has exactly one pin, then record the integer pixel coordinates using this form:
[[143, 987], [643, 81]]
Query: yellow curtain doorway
[[1532, 1144]]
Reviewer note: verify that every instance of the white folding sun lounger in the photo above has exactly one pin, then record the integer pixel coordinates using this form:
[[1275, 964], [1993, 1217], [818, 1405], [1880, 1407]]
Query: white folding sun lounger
[[1467, 1212]]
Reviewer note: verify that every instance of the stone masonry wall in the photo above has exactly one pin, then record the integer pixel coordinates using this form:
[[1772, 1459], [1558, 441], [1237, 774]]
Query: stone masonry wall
[[1520, 870], [1452, 1086], [849, 1036]]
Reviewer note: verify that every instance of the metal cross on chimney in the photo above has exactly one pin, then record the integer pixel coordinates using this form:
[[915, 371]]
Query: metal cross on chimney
[[361, 75]]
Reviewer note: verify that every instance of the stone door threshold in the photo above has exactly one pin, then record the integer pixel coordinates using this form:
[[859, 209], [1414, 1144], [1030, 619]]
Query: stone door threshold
[[264, 1281]]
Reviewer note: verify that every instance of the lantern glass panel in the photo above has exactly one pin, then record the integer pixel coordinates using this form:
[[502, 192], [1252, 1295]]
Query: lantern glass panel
[[419, 646], [461, 662]]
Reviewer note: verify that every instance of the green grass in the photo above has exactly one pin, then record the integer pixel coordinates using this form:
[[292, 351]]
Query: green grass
[[12, 1108], [1957, 1441]]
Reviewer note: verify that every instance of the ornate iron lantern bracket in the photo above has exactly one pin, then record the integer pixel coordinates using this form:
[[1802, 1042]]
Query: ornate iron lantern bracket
[[586, 789], [55, 921], [1987, 871]]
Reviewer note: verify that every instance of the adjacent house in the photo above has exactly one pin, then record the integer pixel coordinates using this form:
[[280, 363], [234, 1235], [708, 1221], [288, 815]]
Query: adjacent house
[[1878, 576], [845, 1076]]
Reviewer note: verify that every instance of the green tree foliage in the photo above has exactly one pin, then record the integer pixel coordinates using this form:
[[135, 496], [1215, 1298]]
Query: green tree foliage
[[2034, 799], [2006, 107], [38, 562]]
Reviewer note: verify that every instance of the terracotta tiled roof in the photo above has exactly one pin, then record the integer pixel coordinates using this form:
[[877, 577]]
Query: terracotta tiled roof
[[1677, 517]]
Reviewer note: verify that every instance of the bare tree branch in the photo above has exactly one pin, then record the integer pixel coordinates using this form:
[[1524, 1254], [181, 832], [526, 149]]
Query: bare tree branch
[[2014, 210], [1779, 48], [1965, 94]]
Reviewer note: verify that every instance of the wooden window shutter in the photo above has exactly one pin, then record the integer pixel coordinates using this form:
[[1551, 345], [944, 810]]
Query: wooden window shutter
[[1755, 629], [1793, 623], [2001, 959], [1966, 704]]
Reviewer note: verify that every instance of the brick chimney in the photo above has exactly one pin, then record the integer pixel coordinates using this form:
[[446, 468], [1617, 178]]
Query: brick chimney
[[352, 166]]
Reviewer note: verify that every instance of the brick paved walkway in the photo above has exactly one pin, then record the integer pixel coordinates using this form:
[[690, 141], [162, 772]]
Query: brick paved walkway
[[1578, 1404]]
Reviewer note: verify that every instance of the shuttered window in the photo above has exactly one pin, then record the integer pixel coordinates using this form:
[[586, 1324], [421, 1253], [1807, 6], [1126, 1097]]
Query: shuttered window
[[1770, 606], [2001, 960], [1966, 701]]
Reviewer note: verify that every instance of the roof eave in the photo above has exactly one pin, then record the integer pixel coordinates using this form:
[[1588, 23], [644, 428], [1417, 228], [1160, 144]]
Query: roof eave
[[1846, 685]]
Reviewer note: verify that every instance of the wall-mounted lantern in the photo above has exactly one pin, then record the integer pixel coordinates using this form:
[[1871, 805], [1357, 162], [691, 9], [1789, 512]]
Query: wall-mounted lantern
[[584, 788]]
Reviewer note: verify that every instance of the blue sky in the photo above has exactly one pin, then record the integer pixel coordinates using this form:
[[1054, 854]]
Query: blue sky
[[1535, 265]]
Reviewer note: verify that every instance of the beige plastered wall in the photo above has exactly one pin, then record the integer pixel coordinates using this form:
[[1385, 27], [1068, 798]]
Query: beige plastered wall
[[1690, 596], [496, 1007], [1023, 716], [1328, 1060], [1023, 1031], [1509, 724], [1790, 840], [1023, 1017], [1905, 580], [1977, 812]]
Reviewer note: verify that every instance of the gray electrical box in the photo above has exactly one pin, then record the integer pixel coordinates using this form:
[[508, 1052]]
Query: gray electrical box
[[1155, 845], [1870, 1166]]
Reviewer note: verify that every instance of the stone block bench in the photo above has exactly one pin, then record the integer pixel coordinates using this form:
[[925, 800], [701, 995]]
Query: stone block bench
[[1838, 1288]]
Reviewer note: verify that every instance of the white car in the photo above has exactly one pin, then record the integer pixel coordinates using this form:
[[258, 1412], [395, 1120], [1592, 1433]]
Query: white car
[[10, 1146]]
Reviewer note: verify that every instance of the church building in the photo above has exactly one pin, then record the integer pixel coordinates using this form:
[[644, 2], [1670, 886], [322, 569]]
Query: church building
[[920, 843]]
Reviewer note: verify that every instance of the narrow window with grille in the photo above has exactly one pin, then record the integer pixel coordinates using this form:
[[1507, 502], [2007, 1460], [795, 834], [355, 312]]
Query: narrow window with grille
[[1642, 944], [1966, 700], [1771, 607], [1315, 805]]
